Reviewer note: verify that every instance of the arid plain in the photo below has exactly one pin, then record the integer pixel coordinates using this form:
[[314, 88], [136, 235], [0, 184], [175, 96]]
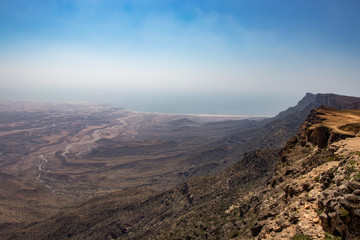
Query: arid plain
[[54, 154]]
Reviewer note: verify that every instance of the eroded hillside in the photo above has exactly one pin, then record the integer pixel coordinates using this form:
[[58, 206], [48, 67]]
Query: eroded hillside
[[315, 193], [54, 154]]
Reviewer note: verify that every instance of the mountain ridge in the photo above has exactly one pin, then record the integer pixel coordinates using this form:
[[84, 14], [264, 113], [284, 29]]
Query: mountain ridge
[[270, 133]]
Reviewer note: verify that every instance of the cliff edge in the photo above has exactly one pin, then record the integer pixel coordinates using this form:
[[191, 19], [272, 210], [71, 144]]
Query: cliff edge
[[315, 193]]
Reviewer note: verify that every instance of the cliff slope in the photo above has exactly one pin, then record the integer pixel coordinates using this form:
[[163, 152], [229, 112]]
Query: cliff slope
[[315, 193], [271, 133]]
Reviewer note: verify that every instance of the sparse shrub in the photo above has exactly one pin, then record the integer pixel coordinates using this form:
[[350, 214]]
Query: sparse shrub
[[319, 211], [329, 236], [356, 153], [217, 230], [331, 159], [235, 234], [357, 177], [301, 237], [350, 169], [343, 212], [317, 178]]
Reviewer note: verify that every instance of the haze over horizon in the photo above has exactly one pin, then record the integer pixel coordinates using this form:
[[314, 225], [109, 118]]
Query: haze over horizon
[[220, 57]]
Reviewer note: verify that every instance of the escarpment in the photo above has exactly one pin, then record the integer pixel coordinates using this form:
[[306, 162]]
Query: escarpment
[[315, 192], [326, 125]]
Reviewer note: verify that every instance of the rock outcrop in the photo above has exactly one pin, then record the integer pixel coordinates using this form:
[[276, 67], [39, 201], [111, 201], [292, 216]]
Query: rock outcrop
[[339, 201], [322, 130], [315, 193]]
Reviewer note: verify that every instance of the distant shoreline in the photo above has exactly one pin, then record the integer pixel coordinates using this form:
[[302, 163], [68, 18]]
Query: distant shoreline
[[205, 114], [112, 105], [207, 117]]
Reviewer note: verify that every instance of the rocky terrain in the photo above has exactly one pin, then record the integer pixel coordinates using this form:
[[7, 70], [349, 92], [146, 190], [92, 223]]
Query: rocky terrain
[[314, 193], [303, 188]]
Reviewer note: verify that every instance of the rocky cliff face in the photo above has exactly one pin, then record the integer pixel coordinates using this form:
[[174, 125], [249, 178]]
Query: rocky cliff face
[[315, 193]]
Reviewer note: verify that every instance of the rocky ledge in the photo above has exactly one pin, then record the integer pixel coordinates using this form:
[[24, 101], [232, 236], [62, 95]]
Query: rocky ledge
[[326, 125]]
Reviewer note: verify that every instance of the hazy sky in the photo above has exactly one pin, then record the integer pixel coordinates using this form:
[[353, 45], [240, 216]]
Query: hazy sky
[[226, 57]]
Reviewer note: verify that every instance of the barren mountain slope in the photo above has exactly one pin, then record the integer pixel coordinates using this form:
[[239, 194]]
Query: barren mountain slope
[[271, 133], [314, 194], [315, 190]]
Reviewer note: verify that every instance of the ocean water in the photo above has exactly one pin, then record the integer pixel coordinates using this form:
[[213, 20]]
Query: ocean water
[[167, 102]]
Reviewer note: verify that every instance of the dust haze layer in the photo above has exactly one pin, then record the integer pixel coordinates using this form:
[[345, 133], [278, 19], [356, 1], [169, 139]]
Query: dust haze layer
[[179, 56], [165, 101]]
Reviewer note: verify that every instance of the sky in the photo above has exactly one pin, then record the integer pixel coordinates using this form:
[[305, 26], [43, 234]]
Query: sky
[[254, 57]]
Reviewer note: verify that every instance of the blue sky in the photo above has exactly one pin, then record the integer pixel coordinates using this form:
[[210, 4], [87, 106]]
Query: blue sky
[[226, 57]]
